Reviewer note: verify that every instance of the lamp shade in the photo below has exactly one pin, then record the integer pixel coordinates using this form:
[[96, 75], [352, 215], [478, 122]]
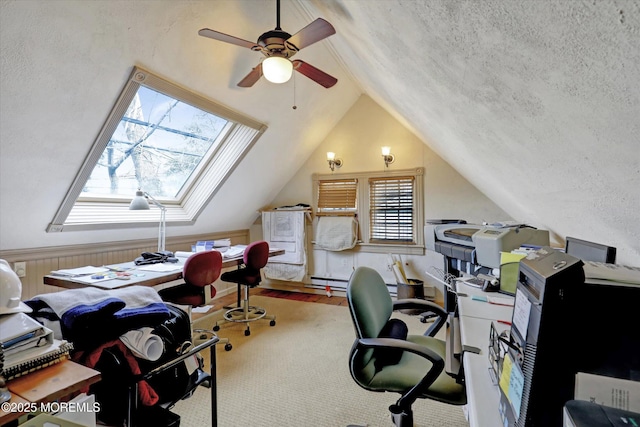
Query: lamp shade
[[139, 202], [277, 69]]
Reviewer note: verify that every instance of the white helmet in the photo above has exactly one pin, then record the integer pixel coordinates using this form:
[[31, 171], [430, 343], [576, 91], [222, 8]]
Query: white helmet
[[10, 291]]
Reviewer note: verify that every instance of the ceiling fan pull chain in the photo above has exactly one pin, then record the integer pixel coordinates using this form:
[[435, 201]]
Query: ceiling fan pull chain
[[295, 107]]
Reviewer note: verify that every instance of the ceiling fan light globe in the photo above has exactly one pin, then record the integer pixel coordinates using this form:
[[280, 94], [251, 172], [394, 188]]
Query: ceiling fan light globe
[[277, 69]]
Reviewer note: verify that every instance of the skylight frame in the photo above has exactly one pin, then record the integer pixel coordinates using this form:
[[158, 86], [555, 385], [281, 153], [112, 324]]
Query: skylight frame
[[86, 213]]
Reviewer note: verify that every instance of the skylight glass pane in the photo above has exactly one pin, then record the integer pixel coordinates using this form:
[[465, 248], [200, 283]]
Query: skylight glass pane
[[165, 140], [159, 146]]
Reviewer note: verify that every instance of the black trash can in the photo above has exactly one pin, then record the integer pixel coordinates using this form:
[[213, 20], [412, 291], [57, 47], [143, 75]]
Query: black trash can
[[414, 289]]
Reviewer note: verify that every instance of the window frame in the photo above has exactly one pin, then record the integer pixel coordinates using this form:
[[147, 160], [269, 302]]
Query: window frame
[[109, 212], [362, 212]]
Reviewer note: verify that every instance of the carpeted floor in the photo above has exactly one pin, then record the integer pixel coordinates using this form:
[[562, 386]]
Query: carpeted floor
[[296, 374]]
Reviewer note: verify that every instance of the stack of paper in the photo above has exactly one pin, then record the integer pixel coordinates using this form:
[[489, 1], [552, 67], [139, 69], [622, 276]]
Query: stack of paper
[[599, 272], [80, 271], [19, 332]]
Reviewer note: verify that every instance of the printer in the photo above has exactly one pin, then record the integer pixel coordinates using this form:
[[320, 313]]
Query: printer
[[480, 244]]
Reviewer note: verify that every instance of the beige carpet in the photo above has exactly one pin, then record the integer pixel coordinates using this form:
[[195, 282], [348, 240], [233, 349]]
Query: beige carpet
[[296, 374]]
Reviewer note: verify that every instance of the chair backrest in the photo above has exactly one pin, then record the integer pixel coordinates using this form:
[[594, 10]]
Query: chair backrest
[[369, 302], [371, 307], [256, 255], [202, 268]]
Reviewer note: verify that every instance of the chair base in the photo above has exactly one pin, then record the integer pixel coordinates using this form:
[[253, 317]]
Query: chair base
[[245, 314], [206, 334], [401, 417]]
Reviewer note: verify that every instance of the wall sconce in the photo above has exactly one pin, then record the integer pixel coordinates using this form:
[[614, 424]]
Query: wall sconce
[[333, 161], [387, 156]]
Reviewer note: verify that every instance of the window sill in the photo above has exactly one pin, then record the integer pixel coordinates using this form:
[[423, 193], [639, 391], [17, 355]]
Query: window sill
[[386, 248]]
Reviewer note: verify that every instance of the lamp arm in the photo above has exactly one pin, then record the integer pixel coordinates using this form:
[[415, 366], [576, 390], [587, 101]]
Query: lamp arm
[[162, 226]]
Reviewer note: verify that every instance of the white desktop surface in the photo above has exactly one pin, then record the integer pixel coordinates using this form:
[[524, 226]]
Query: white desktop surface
[[469, 307], [475, 323]]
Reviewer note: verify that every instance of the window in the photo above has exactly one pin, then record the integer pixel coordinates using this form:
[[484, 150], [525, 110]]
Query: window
[[337, 196], [388, 205], [173, 144], [391, 210]]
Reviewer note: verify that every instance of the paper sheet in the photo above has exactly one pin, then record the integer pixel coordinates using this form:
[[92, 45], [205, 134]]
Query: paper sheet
[[521, 313], [80, 271], [161, 267]]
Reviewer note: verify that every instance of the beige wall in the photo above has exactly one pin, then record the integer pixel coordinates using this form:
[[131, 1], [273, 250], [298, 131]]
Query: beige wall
[[357, 139]]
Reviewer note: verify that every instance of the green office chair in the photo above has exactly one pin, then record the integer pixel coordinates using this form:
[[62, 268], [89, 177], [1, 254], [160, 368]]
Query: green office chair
[[384, 357]]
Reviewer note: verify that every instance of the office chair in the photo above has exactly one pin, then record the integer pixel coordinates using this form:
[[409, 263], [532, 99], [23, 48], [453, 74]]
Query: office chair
[[384, 357], [200, 270], [248, 276]]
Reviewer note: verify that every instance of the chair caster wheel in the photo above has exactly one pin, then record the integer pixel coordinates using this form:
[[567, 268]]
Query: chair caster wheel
[[216, 328], [228, 347], [247, 332], [272, 323]]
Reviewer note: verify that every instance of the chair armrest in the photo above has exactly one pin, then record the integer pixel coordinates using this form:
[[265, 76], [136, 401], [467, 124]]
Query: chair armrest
[[426, 381], [403, 345], [427, 307]]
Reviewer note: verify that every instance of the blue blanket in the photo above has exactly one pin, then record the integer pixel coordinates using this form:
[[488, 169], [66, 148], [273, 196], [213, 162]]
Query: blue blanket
[[90, 316]]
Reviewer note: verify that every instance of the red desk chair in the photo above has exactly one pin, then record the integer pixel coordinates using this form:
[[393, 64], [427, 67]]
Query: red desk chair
[[248, 276], [200, 270]]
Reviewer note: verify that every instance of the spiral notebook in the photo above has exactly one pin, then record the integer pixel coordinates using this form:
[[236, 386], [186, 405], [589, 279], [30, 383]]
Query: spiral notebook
[[32, 359]]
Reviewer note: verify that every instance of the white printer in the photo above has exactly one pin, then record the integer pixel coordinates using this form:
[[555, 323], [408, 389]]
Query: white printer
[[481, 244]]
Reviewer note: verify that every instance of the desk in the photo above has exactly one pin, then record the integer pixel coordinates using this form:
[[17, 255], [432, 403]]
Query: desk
[[150, 278], [48, 384], [475, 323]]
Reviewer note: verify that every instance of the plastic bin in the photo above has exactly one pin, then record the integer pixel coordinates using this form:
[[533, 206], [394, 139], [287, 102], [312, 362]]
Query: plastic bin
[[414, 289]]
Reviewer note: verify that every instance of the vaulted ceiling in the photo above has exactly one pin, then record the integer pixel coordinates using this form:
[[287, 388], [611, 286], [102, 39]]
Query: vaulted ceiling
[[537, 103]]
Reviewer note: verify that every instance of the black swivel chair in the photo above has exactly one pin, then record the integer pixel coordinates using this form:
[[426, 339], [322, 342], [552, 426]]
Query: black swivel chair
[[384, 357], [248, 276]]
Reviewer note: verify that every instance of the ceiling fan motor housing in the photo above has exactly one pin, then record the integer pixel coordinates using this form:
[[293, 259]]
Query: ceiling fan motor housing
[[273, 42]]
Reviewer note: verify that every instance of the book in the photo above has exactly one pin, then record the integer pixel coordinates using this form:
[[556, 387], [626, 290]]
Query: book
[[24, 362], [19, 332]]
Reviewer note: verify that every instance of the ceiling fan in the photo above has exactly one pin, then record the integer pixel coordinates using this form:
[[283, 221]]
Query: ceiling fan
[[279, 46]]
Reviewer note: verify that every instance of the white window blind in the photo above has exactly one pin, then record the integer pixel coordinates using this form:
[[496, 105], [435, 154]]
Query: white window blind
[[337, 196], [391, 207]]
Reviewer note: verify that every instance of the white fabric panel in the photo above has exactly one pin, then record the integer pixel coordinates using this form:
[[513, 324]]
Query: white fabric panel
[[336, 233], [285, 230]]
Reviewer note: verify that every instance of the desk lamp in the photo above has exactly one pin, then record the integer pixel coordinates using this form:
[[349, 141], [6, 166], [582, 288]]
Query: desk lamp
[[140, 202]]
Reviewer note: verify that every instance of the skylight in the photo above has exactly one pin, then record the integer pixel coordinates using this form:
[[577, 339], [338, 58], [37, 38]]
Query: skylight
[[158, 145], [160, 138]]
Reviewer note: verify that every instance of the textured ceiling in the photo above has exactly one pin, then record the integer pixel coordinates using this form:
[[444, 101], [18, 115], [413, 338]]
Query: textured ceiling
[[537, 103]]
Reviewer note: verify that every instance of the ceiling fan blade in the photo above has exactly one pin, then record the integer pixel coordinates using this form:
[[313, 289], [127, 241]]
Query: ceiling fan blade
[[216, 35], [253, 76], [314, 32], [314, 74]]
